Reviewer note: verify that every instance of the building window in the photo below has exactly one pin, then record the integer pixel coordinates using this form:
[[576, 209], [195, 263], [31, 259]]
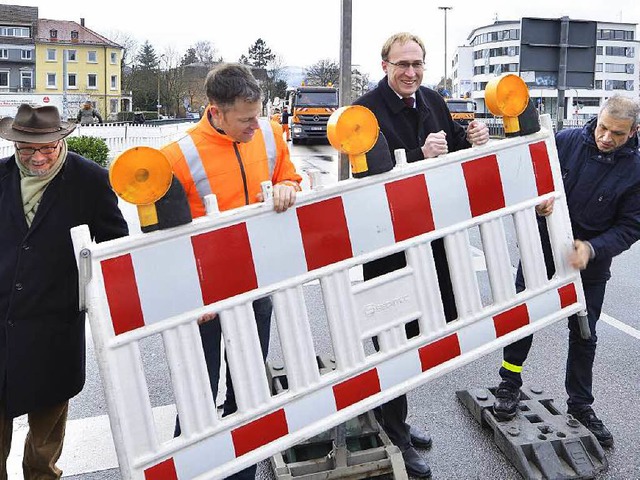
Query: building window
[[26, 79], [4, 53], [6, 31], [4, 79], [72, 80], [92, 80], [598, 84], [598, 67], [114, 82], [53, 33], [51, 80], [113, 105], [114, 58], [72, 55], [618, 85], [598, 50], [607, 34], [618, 68], [92, 56], [51, 55], [26, 54], [74, 35], [587, 101]]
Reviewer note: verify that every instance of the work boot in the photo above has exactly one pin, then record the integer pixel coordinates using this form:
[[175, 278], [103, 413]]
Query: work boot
[[416, 465], [588, 418], [507, 399], [420, 438]]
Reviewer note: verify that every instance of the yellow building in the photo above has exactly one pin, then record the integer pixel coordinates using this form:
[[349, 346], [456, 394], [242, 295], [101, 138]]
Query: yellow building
[[79, 65]]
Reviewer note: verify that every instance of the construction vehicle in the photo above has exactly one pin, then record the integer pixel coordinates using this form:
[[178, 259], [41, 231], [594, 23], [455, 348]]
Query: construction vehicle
[[463, 110], [310, 109]]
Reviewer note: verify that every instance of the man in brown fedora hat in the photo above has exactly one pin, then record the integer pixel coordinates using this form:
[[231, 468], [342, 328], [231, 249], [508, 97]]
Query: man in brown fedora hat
[[44, 191]]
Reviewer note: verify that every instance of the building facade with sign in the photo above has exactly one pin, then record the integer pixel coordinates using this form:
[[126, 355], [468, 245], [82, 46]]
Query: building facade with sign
[[500, 48], [57, 62]]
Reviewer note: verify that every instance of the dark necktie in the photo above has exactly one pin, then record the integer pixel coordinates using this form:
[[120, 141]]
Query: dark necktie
[[409, 101]]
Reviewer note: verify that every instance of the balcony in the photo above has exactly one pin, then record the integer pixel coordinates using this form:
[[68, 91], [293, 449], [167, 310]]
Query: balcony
[[16, 89]]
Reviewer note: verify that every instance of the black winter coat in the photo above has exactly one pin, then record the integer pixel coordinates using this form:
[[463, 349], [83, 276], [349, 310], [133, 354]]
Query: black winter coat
[[42, 331], [408, 128], [603, 195]]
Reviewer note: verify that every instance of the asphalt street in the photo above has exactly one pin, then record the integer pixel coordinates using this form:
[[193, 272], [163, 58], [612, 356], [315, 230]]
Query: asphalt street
[[462, 449]]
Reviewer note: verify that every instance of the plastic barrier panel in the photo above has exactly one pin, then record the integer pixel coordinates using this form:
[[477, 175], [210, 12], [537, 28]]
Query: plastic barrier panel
[[160, 283]]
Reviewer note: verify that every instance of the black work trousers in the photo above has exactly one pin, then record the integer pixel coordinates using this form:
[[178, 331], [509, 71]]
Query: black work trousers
[[392, 416], [581, 355], [211, 335]]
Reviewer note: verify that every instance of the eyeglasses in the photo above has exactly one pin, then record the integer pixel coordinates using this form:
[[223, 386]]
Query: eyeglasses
[[46, 150], [417, 66]]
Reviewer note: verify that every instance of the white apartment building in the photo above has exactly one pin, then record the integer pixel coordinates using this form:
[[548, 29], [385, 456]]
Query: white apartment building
[[495, 49]]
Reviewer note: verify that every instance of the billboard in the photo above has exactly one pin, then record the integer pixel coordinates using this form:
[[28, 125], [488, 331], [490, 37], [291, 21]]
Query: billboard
[[540, 48]]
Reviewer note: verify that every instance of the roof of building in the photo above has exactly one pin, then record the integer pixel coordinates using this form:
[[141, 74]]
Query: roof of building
[[64, 28], [18, 14]]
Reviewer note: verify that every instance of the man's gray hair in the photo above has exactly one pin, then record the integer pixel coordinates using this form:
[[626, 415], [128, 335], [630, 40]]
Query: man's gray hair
[[227, 82], [622, 108]]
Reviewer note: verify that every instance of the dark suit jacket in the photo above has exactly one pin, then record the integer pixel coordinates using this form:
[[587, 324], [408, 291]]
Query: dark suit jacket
[[42, 335], [407, 128]]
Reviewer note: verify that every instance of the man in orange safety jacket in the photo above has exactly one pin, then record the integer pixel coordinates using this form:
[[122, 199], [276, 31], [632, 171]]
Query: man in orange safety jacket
[[229, 152]]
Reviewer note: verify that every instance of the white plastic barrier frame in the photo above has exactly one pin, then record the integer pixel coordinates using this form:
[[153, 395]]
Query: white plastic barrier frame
[[161, 282]]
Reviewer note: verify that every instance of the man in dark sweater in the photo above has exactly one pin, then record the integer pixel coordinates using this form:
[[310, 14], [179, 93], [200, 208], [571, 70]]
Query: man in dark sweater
[[416, 119]]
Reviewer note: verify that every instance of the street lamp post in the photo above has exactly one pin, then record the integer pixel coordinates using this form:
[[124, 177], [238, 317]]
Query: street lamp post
[[444, 9], [158, 104]]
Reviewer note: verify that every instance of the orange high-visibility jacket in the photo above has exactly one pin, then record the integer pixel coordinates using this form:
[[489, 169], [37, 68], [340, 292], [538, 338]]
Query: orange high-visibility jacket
[[207, 161]]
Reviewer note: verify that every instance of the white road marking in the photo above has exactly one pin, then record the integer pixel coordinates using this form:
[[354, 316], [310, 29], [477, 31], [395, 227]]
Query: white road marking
[[623, 327], [88, 445]]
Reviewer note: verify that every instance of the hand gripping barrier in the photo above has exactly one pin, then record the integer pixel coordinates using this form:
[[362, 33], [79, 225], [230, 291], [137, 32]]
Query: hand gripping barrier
[[161, 282]]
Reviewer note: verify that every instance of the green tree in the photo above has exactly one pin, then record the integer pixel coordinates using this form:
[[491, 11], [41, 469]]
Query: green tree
[[189, 57], [260, 55], [243, 60], [323, 73], [144, 78]]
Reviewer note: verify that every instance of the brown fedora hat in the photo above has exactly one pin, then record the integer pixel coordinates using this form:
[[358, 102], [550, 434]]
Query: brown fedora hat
[[35, 125]]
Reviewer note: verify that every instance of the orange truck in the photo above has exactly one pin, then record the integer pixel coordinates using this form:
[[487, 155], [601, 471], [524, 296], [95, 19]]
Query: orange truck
[[462, 110], [310, 109]]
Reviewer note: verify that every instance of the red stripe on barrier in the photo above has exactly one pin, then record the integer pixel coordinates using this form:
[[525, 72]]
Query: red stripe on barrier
[[410, 207], [511, 320], [484, 185], [541, 167], [225, 263], [165, 470], [325, 234], [259, 432], [357, 388], [122, 294], [568, 295], [439, 352]]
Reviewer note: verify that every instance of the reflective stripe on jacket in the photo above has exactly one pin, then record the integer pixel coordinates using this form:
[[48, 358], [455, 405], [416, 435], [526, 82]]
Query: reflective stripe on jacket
[[207, 161]]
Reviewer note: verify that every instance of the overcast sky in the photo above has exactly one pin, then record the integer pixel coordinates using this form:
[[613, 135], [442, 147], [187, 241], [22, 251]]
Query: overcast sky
[[303, 32]]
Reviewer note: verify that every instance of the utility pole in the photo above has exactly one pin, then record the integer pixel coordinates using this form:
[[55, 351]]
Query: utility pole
[[345, 73], [444, 9]]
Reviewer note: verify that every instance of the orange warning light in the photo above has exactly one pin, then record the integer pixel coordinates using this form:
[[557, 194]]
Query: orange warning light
[[353, 130]]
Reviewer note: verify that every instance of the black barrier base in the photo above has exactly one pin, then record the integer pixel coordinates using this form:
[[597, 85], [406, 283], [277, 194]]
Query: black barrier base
[[539, 441], [355, 449]]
